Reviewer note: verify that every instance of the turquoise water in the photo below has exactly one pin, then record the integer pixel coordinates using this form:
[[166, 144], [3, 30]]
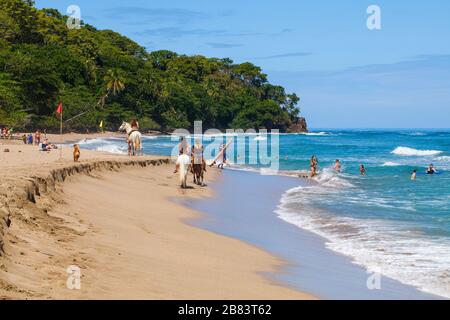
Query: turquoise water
[[384, 221]]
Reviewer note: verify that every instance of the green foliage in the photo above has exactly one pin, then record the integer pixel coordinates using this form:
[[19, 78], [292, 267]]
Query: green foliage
[[146, 124], [106, 76]]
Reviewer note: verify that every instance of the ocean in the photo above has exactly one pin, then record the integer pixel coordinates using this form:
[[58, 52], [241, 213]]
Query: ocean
[[383, 221]]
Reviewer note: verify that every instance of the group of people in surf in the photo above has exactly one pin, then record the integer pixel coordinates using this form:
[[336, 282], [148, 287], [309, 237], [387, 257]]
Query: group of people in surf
[[338, 167], [430, 171], [362, 169]]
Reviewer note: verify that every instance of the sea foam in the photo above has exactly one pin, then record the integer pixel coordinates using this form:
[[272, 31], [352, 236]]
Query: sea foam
[[375, 244], [406, 151], [390, 164]]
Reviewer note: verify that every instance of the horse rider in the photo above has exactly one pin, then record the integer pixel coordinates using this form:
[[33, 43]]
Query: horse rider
[[134, 127]]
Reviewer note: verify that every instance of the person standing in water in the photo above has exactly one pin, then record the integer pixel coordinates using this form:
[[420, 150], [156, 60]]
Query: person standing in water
[[431, 169], [337, 165], [414, 175], [313, 166], [362, 170]]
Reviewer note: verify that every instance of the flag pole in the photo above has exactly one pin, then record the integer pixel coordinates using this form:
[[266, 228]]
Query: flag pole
[[60, 135]]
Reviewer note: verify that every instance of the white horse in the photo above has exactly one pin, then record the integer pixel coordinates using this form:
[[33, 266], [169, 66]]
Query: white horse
[[134, 139], [183, 167]]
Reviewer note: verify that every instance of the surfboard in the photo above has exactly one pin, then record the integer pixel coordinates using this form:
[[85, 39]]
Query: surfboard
[[211, 162]]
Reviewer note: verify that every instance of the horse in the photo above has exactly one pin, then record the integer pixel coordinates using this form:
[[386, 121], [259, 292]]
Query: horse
[[197, 171], [183, 169], [134, 139]]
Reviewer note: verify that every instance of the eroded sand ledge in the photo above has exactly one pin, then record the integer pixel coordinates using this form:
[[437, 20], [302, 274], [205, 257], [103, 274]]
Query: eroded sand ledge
[[13, 201]]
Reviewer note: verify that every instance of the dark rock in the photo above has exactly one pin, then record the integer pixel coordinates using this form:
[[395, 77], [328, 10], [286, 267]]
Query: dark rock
[[300, 126]]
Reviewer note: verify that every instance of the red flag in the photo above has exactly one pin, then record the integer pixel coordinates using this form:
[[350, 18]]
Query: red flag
[[59, 110]]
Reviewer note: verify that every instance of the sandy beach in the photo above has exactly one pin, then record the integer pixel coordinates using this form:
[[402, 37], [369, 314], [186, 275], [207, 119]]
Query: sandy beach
[[116, 219]]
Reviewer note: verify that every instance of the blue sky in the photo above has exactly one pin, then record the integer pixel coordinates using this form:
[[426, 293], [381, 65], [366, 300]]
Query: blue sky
[[346, 75]]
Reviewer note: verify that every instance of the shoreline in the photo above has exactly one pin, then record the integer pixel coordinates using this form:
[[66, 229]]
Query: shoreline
[[307, 270], [54, 224], [310, 265]]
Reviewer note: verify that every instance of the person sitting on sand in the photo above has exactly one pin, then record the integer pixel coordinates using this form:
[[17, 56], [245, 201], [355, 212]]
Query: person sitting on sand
[[431, 169], [337, 165], [414, 175], [45, 146], [362, 170]]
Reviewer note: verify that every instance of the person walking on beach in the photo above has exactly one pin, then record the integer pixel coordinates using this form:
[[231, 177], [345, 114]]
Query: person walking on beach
[[337, 165], [362, 170], [182, 148], [198, 162], [224, 156]]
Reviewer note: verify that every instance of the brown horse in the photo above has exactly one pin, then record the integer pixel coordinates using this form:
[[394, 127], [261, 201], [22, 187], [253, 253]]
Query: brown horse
[[197, 171]]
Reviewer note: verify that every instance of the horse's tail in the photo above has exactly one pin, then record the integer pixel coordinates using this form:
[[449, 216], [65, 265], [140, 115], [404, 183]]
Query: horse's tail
[[137, 146], [183, 174]]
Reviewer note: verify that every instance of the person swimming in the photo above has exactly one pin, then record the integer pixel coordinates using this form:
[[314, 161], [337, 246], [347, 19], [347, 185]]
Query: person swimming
[[431, 169], [362, 170], [337, 165]]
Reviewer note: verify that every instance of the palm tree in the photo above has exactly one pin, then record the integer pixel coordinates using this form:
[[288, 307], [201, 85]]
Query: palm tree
[[91, 69], [114, 81]]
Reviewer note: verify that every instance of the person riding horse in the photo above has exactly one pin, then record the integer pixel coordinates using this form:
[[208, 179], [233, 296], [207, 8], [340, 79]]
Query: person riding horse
[[198, 162], [134, 127]]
